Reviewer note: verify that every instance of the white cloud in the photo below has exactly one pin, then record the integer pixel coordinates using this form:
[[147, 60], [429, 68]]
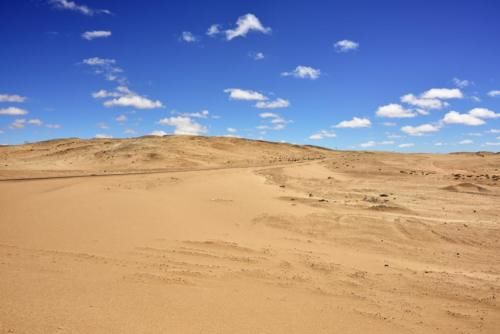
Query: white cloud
[[389, 124], [466, 142], [303, 72], [231, 130], [438, 144], [474, 134], [184, 125], [73, 6], [121, 119], [103, 136], [104, 93], [188, 37], [461, 83], [12, 98], [494, 93], [370, 143], [346, 45], [424, 103], [245, 95], [493, 131], [21, 123], [13, 111], [322, 134], [394, 110], [90, 35], [200, 114], [18, 124], [107, 68], [35, 121], [136, 101], [275, 121], [53, 126], [454, 117], [492, 143], [406, 145], [158, 133], [483, 113], [278, 103], [124, 97], [420, 130], [257, 55], [244, 25], [213, 30], [356, 122], [96, 61], [443, 93]]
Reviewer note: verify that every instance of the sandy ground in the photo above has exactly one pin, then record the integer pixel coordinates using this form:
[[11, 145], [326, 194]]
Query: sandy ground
[[219, 235]]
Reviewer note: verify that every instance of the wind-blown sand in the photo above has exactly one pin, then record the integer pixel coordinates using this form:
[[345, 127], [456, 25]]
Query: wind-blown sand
[[224, 235]]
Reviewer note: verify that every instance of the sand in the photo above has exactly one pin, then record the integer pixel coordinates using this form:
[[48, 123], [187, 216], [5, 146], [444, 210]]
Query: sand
[[223, 235]]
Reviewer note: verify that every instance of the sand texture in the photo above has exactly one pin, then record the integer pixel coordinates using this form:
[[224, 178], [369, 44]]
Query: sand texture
[[184, 234]]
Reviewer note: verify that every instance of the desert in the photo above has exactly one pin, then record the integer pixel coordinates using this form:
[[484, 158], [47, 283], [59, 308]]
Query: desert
[[194, 234]]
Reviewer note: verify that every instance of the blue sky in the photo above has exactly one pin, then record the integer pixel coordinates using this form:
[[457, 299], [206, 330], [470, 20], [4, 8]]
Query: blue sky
[[378, 75]]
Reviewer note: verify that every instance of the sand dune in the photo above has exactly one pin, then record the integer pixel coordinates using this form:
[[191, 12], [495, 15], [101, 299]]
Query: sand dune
[[223, 235]]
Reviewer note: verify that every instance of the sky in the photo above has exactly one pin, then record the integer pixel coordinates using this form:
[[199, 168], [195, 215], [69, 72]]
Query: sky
[[419, 76]]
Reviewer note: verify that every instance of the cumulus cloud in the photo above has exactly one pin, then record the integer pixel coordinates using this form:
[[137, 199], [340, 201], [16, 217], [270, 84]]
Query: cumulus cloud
[[244, 25], [356, 122], [124, 97], [483, 113], [322, 135], [346, 45], [303, 72], [73, 6], [245, 95], [213, 30], [188, 37], [466, 142], [454, 117], [53, 126], [274, 121], [424, 103], [443, 93], [12, 98], [370, 143], [394, 110], [90, 35], [12, 111], [107, 68], [494, 93], [278, 103], [158, 133], [103, 136], [184, 125], [492, 143], [257, 55], [22, 122], [420, 130], [135, 101], [199, 114], [404, 145], [231, 130]]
